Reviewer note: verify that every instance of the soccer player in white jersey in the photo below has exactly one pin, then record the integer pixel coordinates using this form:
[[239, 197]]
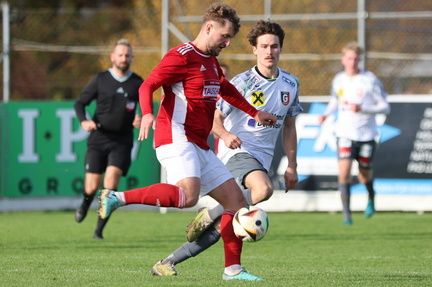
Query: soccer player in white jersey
[[357, 96], [246, 147]]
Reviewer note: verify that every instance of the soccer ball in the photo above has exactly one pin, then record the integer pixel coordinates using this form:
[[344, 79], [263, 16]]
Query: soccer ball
[[250, 224]]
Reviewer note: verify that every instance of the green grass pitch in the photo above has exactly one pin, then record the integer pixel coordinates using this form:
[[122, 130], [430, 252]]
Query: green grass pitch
[[301, 249]]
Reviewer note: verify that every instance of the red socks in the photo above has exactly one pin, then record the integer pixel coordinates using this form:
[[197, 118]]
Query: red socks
[[232, 244], [160, 194]]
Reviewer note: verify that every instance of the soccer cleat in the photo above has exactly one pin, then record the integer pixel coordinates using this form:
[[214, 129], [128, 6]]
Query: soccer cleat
[[107, 203], [243, 275], [97, 236], [81, 212], [198, 225], [164, 269], [370, 209], [348, 222]]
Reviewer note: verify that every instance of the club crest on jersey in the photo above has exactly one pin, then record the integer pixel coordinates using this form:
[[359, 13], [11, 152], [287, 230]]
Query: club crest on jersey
[[258, 98], [285, 98]]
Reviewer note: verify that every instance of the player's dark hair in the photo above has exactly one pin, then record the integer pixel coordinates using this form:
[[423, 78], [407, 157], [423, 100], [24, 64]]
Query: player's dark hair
[[265, 27], [221, 13]]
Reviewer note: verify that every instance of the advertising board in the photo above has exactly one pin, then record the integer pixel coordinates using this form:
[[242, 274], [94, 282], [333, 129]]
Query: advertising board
[[43, 149]]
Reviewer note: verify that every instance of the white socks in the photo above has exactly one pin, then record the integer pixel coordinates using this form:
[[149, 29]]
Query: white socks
[[233, 270], [248, 196], [120, 198], [215, 212]]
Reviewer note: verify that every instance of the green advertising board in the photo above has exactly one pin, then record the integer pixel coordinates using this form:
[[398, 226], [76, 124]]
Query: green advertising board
[[43, 149]]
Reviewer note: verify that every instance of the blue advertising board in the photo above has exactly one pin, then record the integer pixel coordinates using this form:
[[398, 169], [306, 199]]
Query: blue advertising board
[[403, 162]]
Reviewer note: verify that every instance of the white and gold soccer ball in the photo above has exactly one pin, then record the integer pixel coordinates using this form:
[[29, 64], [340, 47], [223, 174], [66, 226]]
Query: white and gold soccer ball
[[250, 224]]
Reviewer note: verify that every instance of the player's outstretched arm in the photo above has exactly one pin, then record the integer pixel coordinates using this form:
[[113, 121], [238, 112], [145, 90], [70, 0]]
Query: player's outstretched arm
[[229, 93]]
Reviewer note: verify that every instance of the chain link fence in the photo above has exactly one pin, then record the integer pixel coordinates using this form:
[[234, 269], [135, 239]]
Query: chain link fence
[[54, 53]]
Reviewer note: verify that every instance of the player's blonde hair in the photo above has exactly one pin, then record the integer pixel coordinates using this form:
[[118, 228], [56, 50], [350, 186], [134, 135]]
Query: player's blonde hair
[[352, 46], [124, 42]]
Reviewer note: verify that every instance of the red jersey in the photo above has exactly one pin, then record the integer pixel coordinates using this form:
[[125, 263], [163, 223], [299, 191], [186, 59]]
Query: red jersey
[[191, 82]]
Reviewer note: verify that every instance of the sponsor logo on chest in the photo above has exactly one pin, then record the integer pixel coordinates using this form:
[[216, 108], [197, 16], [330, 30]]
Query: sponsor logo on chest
[[257, 98], [211, 89]]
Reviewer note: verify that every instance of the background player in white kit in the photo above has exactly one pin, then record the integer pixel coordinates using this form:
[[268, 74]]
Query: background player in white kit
[[357, 95], [247, 147]]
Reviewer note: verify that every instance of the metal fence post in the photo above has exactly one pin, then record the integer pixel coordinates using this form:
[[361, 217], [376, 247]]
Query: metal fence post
[[361, 29], [6, 52]]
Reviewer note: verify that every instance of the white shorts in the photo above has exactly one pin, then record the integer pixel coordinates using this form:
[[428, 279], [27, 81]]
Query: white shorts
[[186, 159]]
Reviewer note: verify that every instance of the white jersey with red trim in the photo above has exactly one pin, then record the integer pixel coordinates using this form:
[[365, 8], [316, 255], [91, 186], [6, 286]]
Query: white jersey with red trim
[[364, 89], [279, 96]]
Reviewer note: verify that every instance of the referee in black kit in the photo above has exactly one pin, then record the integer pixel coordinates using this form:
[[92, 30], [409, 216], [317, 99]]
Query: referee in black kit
[[110, 142]]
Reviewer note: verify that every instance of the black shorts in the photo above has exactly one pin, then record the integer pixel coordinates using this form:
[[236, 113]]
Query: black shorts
[[241, 164], [362, 152], [104, 149]]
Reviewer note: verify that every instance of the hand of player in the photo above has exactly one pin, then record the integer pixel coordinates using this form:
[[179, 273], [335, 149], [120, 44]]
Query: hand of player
[[232, 141], [265, 118], [354, 107], [321, 119], [291, 178], [148, 122], [137, 121], [88, 125]]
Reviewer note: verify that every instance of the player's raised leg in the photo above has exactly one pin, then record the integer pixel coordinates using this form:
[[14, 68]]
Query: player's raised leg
[[160, 194]]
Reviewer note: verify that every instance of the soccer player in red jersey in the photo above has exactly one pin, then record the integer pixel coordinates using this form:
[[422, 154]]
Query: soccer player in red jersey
[[191, 79], [246, 147]]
